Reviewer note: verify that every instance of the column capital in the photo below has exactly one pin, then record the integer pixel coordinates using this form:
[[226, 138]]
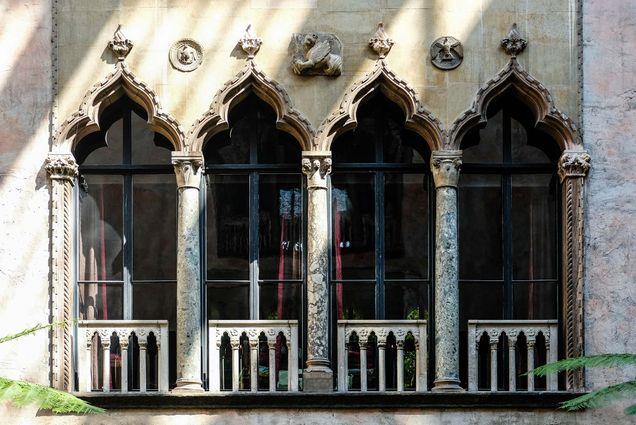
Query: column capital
[[574, 164], [316, 166], [188, 167], [61, 166], [445, 166]]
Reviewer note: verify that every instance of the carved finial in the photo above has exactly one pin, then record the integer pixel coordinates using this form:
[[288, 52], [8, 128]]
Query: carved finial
[[380, 42], [250, 43], [514, 44], [120, 45]]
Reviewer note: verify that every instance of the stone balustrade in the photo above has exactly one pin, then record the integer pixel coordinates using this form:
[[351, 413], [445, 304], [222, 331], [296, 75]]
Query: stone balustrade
[[246, 339], [382, 333], [112, 353], [519, 334]]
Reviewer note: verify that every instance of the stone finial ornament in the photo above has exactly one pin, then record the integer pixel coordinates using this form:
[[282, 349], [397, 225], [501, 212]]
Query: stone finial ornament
[[316, 54], [380, 42], [250, 43], [186, 55], [447, 53], [513, 44], [120, 45]]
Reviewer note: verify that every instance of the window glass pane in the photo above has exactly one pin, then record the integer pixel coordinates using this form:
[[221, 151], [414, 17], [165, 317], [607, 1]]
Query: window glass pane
[[354, 300], [534, 232], [480, 239], [227, 209], [406, 300], [353, 204], [406, 226], [147, 147], [485, 145], [100, 301], [535, 301], [101, 228], [480, 301], [278, 148], [155, 301], [154, 227], [228, 302], [112, 143], [280, 301], [280, 227], [522, 149]]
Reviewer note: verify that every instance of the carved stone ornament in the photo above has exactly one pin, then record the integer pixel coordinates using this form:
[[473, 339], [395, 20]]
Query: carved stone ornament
[[445, 166], [250, 43], [188, 168], [61, 166], [447, 53], [574, 164], [316, 166], [120, 45], [186, 55], [316, 53], [514, 44], [380, 42]]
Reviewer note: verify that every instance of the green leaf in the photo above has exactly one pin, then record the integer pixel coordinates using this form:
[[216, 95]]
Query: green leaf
[[600, 360], [33, 330], [631, 410], [23, 393], [601, 397]]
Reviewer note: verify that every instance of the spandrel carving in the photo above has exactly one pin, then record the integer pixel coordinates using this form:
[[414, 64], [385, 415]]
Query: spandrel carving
[[316, 54], [447, 53]]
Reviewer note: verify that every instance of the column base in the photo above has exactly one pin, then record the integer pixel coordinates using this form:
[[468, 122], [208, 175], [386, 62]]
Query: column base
[[187, 386], [318, 380], [447, 385]]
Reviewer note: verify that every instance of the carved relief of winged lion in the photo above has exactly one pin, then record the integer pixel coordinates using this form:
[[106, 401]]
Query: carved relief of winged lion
[[318, 57]]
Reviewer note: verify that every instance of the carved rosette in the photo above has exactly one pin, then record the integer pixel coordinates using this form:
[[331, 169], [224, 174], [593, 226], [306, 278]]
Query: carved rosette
[[120, 45], [250, 43], [445, 166], [316, 166], [188, 168], [61, 166], [380, 42], [513, 44], [574, 164]]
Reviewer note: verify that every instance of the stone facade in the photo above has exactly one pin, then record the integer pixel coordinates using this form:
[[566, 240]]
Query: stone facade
[[61, 54]]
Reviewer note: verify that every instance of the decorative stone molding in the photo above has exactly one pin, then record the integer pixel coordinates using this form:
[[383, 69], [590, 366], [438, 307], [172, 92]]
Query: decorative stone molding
[[120, 82], [529, 91], [188, 168], [316, 53], [61, 166], [250, 43], [445, 166], [186, 55], [447, 53], [316, 166], [380, 42], [120, 44], [250, 79], [513, 44], [574, 164], [418, 119]]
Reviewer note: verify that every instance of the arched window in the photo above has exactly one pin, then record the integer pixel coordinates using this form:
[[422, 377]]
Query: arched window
[[380, 194], [508, 220], [127, 221]]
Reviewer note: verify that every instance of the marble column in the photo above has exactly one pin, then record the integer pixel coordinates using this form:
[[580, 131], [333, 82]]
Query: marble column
[[188, 168], [445, 167], [62, 170], [573, 167], [317, 376]]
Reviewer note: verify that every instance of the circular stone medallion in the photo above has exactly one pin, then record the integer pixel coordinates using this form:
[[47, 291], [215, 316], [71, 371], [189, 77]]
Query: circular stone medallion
[[447, 53], [186, 55]]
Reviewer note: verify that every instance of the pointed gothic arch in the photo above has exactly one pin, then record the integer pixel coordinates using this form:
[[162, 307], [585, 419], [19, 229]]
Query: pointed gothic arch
[[250, 79], [513, 78], [418, 119]]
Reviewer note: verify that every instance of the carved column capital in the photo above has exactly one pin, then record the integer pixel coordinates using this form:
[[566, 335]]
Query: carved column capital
[[316, 166], [188, 167], [574, 164], [61, 166], [445, 166]]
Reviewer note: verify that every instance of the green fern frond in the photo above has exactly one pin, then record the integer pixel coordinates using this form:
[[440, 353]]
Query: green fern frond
[[23, 393], [631, 410], [33, 330], [599, 360], [601, 397]]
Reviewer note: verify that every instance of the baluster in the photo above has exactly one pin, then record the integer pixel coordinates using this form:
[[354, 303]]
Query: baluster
[[123, 343], [363, 364], [494, 342], [106, 363], [551, 356], [214, 340], [420, 358], [400, 365], [381, 363], [142, 339], [271, 346], [512, 353], [254, 363], [531, 339], [343, 354], [473, 356], [87, 363], [162, 353], [292, 355], [235, 364]]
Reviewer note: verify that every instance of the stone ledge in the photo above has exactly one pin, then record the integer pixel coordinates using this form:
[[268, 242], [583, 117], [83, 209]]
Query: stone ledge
[[485, 400]]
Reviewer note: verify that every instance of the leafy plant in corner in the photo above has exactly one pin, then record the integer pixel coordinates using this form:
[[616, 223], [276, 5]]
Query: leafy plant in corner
[[22, 393], [602, 396]]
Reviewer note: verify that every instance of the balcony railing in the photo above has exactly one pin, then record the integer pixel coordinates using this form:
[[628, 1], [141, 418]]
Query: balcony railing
[[531, 336], [123, 355], [382, 355], [253, 355]]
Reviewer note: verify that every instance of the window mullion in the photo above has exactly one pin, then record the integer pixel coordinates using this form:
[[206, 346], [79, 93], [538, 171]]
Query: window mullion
[[379, 245], [253, 245], [128, 247]]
